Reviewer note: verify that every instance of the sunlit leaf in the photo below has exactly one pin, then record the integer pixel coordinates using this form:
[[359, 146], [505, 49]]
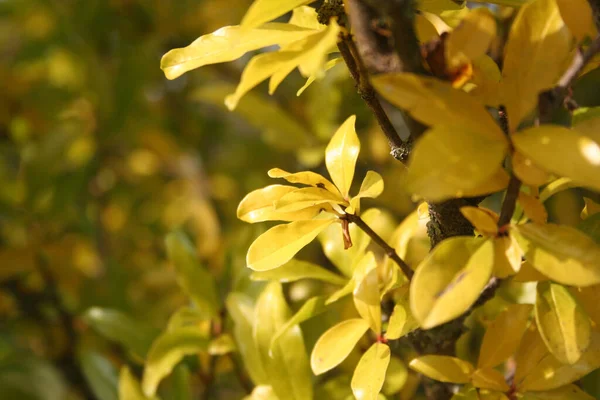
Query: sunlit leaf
[[563, 323], [555, 187], [306, 178], [366, 291], [507, 257], [295, 270], [303, 198], [443, 368], [562, 253], [311, 308], [279, 244], [262, 11], [369, 374], [578, 16], [336, 344], [371, 186], [580, 153], [286, 364], [328, 65], [472, 38], [401, 321], [503, 335], [489, 378], [538, 45], [262, 392], [527, 171], [341, 155], [450, 279], [258, 206], [483, 220]]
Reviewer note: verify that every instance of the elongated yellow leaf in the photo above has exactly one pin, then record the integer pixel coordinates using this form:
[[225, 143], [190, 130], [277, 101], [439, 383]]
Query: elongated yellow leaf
[[529, 274], [305, 178], [579, 152], [286, 364], [507, 257], [258, 206], [397, 322], [336, 344], [472, 38], [550, 374], [489, 378], [371, 186], [483, 220], [262, 392], [568, 392], [166, 351], [328, 65], [538, 45], [448, 160], [487, 77], [443, 368], [533, 208], [531, 352], [562, 253], [303, 198], [295, 270], [589, 297], [503, 335], [527, 171], [129, 388], [261, 11], [369, 374], [578, 16], [450, 279], [366, 292], [306, 17], [436, 103], [341, 155], [279, 244], [563, 323], [227, 44]]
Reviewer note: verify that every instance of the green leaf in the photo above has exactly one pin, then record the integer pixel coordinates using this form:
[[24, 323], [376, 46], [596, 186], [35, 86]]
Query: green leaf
[[451, 161], [261, 11], [369, 374], [341, 155], [129, 387], [167, 351], [186, 317], [227, 44], [562, 253], [580, 152], [197, 282], [136, 336], [538, 47], [25, 377], [286, 366], [336, 344], [100, 374], [295, 270], [503, 335], [450, 279], [443, 368], [563, 323], [241, 310], [279, 244]]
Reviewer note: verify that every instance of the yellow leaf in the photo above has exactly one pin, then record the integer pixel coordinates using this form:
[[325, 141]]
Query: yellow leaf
[[336, 344], [258, 206], [491, 395], [366, 291], [529, 274], [279, 244], [305, 17], [495, 183], [507, 257], [527, 171], [533, 208], [295, 270], [578, 16], [305, 178], [563, 323], [309, 52], [449, 160], [435, 103], [397, 322], [227, 44], [369, 374], [328, 65], [503, 335], [579, 152], [562, 253], [450, 279], [261, 11], [129, 387], [589, 297], [395, 378], [341, 155], [486, 76], [443, 368], [556, 186], [437, 6], [485, 221], [491, 379], [472, 38], [568, 392], [538, 45], [429, 26], [301, 199], [371, 186], [548, 373], [262, 392], [590, 208]]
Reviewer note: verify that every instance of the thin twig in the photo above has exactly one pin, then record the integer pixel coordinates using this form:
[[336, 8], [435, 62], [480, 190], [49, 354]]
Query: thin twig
[[389, 250], [510, 201], [579, 62], [241, 376]]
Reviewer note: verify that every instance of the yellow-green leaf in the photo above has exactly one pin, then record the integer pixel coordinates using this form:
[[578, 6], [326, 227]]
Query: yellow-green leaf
[[530, 353], [489, 378], [503, 335], [563, 323], [262, 392], [443, 368], [166, 351], [472, 38], [371, 186], [436, 103], [308, 197], [258, 206], [336, 344], [529, 274], [568, 392], [589, 297], [579, 17], [562, 253], [261, 11], [507, 257], [369, 374], [449, 160], [341, 155], [483, 220], [305, 178], [279, 244], [129, 387], [366, 292], [395, 378], [538, 45], [221, 345], [195, 280], [227, 44], [401, 321], [286, 364], [579, 152], [295, 270], [450, 279]]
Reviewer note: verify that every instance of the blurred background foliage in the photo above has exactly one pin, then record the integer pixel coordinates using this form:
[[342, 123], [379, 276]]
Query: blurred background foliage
[[101, 157]]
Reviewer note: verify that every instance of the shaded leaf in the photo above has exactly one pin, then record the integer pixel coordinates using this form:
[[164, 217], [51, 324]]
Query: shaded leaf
[[578, 16], [483, 220], [295, 270], [489, 378], [366, 291], [443, 368], [395, 377], [472, 38], [570, 392], [100, 374]]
